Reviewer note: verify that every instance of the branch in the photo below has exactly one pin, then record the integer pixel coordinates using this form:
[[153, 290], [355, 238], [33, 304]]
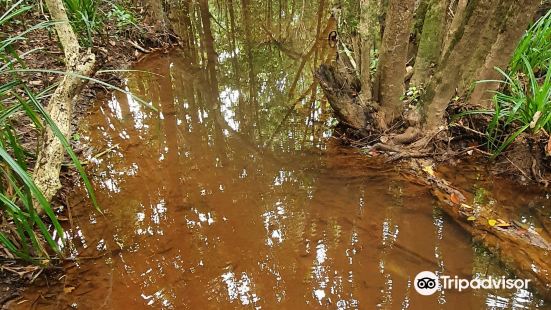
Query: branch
[[60, 106]]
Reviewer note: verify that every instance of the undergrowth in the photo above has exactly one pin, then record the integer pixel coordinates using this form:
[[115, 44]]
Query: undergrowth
[[24, 233], [523, 103]]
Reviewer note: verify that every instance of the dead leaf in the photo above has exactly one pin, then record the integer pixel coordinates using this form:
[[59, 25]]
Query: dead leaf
[[465, 206], [68, 289], [492, 223], [429, 170], [455, 199], [502, 223], [36, 83]]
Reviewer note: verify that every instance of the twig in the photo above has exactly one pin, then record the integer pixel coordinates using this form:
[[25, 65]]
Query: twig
[[138, 47], [469, 129], [521, 171]]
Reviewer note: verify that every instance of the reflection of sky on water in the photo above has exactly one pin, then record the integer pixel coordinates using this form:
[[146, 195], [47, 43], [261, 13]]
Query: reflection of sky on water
[[228, 101]]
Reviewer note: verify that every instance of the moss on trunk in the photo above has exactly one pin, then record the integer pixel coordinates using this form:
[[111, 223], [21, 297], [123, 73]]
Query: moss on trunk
[[430, 45]]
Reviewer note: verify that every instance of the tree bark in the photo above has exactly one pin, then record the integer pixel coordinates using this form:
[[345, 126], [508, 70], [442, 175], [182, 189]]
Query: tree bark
[[369, 30], [455, 24], [524, 250], [430, 45], [455, 70], [518, 19], [60, 107], [391, 69], [335, 80]]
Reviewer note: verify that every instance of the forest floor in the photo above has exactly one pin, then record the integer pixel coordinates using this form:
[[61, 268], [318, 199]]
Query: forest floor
[[115, 49]]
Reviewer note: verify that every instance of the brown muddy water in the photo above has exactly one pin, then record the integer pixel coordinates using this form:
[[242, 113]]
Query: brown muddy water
[[224, 199], [199, 214]]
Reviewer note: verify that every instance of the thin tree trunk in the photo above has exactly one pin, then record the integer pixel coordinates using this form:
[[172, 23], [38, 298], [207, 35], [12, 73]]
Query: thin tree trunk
[[457, 20], [430, 45], [392, 61], [369, 30], [60, 107], [520, 15]]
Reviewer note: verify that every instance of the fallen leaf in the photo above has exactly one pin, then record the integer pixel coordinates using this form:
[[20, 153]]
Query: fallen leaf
[[68, 289], [465, 206], [429, 170], [492, 223], [455, 199], [471, 218]]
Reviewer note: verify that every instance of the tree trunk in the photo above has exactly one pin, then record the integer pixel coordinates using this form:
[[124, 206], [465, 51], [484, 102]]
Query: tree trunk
[[461, 61], [520, 15], [369, 30], [430, 45], [60, 107], [391, 69], [455, 24]]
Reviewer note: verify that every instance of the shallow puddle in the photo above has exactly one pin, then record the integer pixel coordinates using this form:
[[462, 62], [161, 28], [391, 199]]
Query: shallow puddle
[[227, 198]]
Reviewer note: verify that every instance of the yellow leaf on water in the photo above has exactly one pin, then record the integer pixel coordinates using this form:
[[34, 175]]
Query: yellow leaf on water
[[492, 223], [68, 289], [471, 218], [429, 170]]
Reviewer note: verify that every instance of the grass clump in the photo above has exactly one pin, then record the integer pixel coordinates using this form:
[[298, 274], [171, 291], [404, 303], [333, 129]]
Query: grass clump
[[85, 17], [24, 232], [523, 105]]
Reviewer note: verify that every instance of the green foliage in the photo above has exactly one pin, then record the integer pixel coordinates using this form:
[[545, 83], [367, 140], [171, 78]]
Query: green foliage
[[535, 46], [413, 94], [123, 17], [26, 235], [524, 102], [85, 17]]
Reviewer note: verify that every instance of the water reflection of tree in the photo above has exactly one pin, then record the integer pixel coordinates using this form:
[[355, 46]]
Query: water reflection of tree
[[224, 92], [251, 46]]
